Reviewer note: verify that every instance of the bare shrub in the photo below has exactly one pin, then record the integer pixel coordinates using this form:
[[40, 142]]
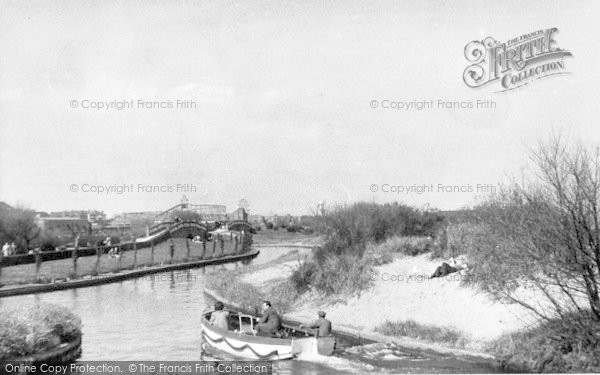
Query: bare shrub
[[342, 275], [382, 253], [353, 235], [546, 235], [554, 346]]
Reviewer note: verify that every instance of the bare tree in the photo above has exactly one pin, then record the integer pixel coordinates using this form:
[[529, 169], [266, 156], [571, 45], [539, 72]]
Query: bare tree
[[545, 235], [20, 226], [139, 225], [573, 187]]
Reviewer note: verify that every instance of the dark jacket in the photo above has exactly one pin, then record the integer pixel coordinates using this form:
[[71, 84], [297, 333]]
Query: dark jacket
[[323, 325], [270, 322], [220, 318], [443, 270]]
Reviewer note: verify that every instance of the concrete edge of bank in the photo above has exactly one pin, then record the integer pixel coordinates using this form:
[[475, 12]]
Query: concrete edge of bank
[[14, 290], [283, 245]]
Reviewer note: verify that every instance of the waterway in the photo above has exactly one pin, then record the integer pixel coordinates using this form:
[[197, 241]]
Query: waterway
[[157, 317]]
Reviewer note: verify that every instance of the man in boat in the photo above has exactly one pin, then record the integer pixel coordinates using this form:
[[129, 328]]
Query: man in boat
[[269, 322], [219, 317], [321, 324]]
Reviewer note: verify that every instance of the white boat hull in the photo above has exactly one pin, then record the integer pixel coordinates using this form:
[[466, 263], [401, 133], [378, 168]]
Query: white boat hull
[[248, 346], [243, 349]]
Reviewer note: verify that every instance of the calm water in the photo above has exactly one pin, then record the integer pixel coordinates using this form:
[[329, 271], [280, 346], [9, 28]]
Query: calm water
[[158, 317]]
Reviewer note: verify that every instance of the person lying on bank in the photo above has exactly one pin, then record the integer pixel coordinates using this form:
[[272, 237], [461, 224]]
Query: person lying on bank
[[322, 325], [452, 266]]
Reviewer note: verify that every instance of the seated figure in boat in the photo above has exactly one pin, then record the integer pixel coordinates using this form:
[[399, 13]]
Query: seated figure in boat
[[219, 317], [321, 324], [269, 323]]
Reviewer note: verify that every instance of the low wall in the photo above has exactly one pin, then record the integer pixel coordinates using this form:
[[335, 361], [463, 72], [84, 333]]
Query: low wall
[[15, 260], [109, 278], [155, 238]]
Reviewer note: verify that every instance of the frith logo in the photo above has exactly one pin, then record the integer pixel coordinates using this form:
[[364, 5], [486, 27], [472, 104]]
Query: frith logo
[[515, 63]]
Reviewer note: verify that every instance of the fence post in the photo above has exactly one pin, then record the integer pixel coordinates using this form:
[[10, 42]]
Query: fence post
[[74, 256], [203, 248], [152, 252], [1, 257], [38, 265], [134, 254], [222, 246], [99, 251], [171, 251], [119, 257]]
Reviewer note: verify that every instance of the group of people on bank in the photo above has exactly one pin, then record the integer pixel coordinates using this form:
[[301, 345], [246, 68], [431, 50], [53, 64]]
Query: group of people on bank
[[269, 323], [9, 249]]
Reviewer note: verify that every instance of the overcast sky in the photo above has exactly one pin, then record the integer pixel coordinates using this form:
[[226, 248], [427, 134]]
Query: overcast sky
[[282, 92]]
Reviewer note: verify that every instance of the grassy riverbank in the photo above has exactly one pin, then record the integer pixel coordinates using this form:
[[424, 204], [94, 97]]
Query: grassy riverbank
[[234, 285], [27, 330], [63, 269]]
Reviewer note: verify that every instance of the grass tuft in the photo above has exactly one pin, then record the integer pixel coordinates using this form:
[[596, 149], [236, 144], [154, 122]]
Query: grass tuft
[[229, 285], [26, 330], [429, 333]]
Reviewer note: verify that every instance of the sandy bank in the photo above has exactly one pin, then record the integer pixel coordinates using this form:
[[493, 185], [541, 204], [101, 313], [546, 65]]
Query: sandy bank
[[401, 292]]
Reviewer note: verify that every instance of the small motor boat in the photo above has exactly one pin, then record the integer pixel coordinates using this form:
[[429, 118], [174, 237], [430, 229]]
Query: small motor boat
[[241, 341]]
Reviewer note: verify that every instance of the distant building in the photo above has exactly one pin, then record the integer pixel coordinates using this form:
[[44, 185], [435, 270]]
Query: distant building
[[115, 229], [209, 212], [239, 214], [90, 215], [40, 214], [126, 216], [256, 219], [63, 226]]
